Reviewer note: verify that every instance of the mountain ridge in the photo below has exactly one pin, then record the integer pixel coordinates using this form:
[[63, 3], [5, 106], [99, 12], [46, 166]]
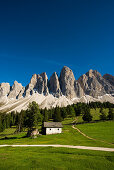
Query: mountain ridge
[[61, 90]]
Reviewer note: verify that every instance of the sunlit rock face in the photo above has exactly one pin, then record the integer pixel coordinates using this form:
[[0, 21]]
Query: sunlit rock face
[[4, 89], [94, 84], [78, 89], [109, 78], [57, 91], [54, 85], [67, 81], [15, 90], [38, 83]]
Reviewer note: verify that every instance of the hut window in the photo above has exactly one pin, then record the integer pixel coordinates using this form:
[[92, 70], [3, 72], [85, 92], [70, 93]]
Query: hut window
[[58, 129], [50, 129]]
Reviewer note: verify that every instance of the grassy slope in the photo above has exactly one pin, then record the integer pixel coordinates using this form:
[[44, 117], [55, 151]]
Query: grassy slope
[[100, 130], [55, 158], [69, 136]]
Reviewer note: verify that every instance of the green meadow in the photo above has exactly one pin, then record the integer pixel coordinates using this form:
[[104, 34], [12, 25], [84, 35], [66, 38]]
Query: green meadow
[[61, 158], [103, 131], [100, 131], [55, 159]]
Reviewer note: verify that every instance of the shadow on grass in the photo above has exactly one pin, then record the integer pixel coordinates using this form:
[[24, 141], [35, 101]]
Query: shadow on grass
[[9, 138], [4, 135], [68, 124]]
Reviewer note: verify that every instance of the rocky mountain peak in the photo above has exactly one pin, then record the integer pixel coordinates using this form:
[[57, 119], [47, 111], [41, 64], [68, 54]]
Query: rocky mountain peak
[[15, 90], [94, 84], [91, 83], [44, 76], [4, 89], [38, 83], [44, 83], [109, 78], [66, 70], [67, 82], [90, 73], [33, 80], [54, 86], [59, 91]]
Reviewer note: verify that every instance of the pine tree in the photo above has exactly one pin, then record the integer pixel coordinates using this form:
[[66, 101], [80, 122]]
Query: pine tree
[[72, 111], [111, 114], [33, 116], [63, 112], [57, 115], [20, 123], [87, 115], [1, 126], [45, 119]]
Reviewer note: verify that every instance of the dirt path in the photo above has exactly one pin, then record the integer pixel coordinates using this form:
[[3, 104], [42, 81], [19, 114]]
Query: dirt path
[[64, 146], [82, 133], [86, 135]]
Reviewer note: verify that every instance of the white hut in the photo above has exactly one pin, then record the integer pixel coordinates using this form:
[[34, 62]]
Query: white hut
[[52, 127]]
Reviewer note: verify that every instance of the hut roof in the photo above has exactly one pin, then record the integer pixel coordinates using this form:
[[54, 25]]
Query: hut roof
[[53, 124]]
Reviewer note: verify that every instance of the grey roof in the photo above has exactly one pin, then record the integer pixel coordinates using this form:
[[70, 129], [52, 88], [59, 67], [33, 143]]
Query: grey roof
[[53, 124]]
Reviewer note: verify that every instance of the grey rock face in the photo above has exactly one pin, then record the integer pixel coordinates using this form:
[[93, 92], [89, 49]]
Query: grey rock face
[[109, 78], [109, 89], [91, 83], [78, 89], [54, 86], [67, 82], [4, 89], [45, 83], [21, 93], [15, 90], [94, 84], [33, 80], [37, 83]]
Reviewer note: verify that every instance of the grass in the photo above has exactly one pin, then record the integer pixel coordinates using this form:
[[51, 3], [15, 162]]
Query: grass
[[55, 159], [100, 130], [60, 158]]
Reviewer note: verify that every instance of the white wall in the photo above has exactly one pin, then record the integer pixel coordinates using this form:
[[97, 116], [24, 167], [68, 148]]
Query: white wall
[[53, 130]]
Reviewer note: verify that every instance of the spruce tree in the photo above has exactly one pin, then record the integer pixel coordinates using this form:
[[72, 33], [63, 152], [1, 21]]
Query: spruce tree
[[57, 115], [33, 116], [111, 114], [45, 119], [87, 115]]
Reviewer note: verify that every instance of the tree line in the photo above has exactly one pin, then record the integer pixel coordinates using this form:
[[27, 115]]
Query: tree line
[[31, 117]]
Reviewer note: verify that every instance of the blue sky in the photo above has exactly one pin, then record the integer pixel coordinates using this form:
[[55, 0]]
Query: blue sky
[[44, 35]]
